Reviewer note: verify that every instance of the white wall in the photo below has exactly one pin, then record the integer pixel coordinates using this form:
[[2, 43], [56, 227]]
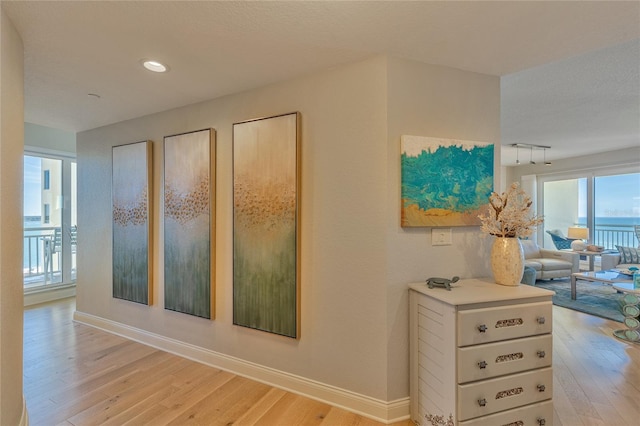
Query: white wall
[[356, 260], [12, 407], [48, 139], [429, 100]]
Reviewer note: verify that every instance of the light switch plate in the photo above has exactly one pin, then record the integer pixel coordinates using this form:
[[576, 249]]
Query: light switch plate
[[441, 237]]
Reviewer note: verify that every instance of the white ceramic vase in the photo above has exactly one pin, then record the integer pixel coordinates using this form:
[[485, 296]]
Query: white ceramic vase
[[507, 261]]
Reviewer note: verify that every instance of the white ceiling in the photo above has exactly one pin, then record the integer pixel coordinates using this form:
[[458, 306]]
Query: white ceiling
[[571, 69]]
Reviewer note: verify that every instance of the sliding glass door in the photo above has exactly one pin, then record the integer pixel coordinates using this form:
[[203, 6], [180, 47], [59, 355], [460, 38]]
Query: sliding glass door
[[616, 200], [49, 220], [607, 202], [564, 206]]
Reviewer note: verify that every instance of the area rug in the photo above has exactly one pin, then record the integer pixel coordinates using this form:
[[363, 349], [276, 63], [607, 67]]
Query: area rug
[[592, 297]]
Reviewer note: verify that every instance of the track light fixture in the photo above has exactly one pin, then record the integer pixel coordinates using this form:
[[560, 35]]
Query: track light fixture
[[531, 156], [531, 147]]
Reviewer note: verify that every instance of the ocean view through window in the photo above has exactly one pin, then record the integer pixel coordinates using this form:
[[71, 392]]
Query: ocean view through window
[[607, 204]]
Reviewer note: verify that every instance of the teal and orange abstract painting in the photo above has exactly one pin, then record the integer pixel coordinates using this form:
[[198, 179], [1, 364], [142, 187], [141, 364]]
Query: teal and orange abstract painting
[[444, 182]]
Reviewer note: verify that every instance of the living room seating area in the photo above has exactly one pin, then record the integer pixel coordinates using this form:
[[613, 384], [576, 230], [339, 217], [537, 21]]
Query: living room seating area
[[625, 258], [559, 240], [547, 263]]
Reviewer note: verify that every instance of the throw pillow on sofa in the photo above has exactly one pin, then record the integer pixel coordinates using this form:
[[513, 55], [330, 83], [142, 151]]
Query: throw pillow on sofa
[[629, 254]]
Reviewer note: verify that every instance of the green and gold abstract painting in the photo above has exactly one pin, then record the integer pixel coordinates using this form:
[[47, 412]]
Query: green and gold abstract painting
[[266, 284], [131, 214], [189, 223], [444, 182]]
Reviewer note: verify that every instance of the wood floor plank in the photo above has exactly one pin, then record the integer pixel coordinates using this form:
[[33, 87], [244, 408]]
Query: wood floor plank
[[133, 410], [60, 412], [281, 412], [209, 406], [78, 375], [610, 413], [225, 404], [147, 416], [564, 412], [114, 405], [150, 370], [235, 407], [341, 417], [258, 409], [191, 372], [296, 410], [189, 395]]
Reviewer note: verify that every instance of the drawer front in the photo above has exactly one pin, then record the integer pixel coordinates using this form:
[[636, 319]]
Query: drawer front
[[498, 359], [532, 415], [494, 395], [477, 326]]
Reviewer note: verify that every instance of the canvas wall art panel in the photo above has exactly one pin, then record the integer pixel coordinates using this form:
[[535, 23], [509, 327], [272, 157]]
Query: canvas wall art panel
[[266, 237], [189, 223], [444, 182], [131, 197]]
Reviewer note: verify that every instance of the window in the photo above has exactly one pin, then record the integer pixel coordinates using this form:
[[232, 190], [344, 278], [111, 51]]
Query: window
[[607, 202], [615, 210], [49, 220]]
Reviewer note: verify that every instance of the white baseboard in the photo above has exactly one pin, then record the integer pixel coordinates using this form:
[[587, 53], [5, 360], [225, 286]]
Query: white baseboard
[[49, 294], [382, 411]]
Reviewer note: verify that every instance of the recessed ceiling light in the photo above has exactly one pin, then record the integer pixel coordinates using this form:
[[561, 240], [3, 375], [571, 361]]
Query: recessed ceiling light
[[154, 66]]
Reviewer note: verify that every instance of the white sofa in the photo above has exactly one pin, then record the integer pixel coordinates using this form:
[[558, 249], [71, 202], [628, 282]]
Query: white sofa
[[612, 260], [547, 263]]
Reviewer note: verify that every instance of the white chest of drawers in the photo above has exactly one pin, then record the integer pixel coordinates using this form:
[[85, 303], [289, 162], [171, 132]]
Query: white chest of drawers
[[480, 355]]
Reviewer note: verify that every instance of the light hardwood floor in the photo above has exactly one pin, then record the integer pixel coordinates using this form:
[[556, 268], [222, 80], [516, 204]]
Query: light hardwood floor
[[78, 375]]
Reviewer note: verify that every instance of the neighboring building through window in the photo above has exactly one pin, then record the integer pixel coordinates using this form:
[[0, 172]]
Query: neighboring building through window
[[46, 181], [47, 214]]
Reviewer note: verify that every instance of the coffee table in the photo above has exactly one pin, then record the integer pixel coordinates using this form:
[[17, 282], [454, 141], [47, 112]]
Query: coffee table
[[607, 277]]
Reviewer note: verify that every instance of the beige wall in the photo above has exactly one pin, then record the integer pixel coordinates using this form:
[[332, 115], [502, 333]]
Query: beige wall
[[356, 260], [343, 239], [11, 149], [429, 100]]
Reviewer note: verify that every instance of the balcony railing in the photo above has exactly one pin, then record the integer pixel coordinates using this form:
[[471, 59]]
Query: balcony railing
[[610, 236], [42, 259]]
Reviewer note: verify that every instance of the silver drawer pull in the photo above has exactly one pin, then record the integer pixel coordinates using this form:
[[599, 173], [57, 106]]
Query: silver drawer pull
[[482, 364], [541, 421], [482, 402], [482, 328], [541, 354], [541, 388], [541, 320]]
